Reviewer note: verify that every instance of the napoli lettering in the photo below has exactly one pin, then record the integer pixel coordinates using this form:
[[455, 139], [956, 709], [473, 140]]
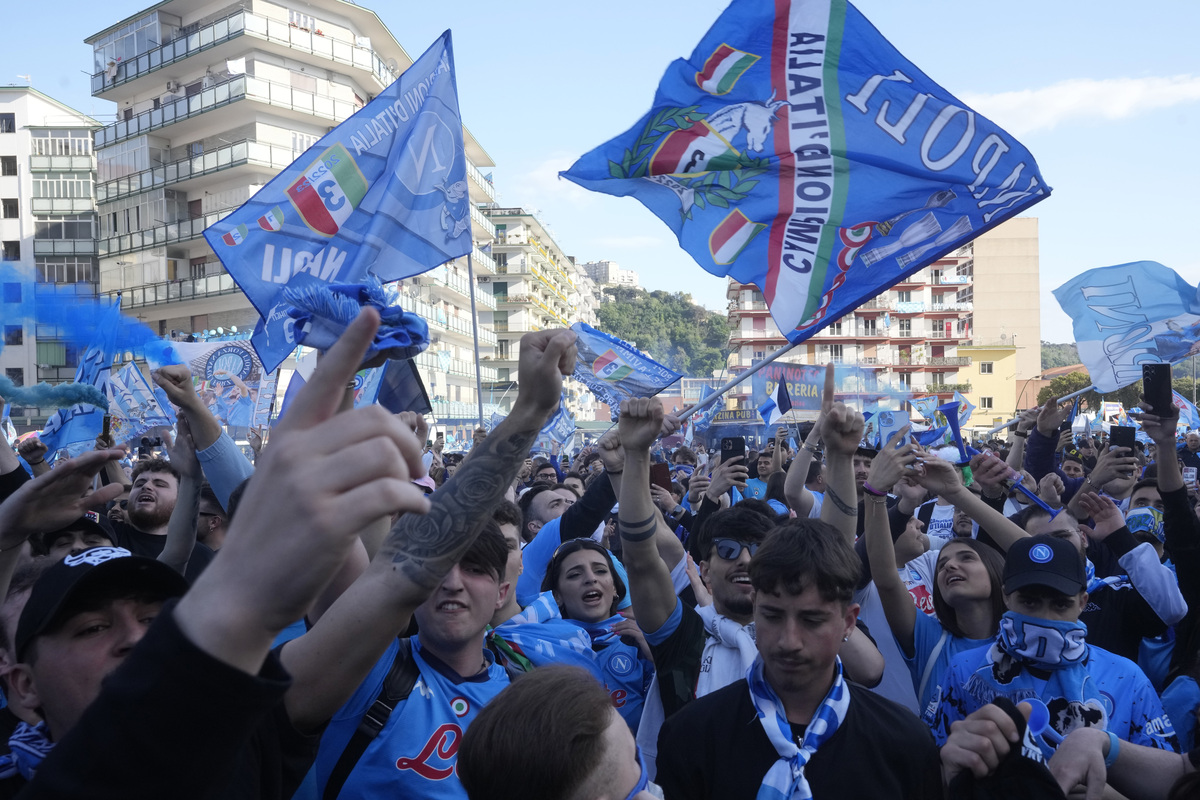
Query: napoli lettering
[[1126, 351], [325, 264], [808, 120], [947, 141]]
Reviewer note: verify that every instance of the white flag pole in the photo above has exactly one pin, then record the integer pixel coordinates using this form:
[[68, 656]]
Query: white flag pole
[[712, 398], [1062, 399]]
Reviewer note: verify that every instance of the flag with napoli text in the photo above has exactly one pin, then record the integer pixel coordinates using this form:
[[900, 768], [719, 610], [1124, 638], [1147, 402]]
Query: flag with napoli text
[[798, 150]]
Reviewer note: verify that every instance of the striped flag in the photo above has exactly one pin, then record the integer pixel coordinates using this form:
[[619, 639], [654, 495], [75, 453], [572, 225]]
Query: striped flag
[[691, 150], [723, 68], [272, 220], [328, 191], [235, 236], [731, 237], [778, 404], [610, 367]]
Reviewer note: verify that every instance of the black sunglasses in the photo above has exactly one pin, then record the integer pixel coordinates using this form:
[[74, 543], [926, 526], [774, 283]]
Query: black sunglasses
[[731, 549]]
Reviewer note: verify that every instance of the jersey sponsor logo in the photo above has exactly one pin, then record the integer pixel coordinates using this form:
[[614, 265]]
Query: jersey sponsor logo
[[442, 745]]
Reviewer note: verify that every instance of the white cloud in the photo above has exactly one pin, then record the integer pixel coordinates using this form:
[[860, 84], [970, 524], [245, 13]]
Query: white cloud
[[1081, 99]]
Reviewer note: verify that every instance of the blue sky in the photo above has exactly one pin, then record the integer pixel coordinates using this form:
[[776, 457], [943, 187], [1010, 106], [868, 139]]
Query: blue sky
[[1105, 95]]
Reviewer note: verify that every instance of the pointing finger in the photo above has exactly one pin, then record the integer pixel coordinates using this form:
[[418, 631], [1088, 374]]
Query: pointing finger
[[325, 390]]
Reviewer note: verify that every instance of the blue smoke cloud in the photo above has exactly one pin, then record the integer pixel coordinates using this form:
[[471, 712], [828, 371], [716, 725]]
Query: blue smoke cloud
[[44, 395]]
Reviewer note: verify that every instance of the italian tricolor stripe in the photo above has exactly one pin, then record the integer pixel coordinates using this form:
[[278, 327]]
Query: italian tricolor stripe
[[610, 367], [731, 237], [695, 149], [723, 68], [235, 236], [329, 191], [272, 220]]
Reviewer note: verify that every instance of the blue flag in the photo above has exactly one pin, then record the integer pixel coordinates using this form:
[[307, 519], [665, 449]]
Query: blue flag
[[777, 405], [925, 406], [136, 408], [382, 194], [75, 428], [799, 151], [1128, 315], [614, 370], [397, 386], [703, 419], [1188, 414], [964, 408]]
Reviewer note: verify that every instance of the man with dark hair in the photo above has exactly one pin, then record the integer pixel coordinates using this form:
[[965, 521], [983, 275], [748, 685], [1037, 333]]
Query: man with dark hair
[[795, 722], [152, 500], [212, 523], [552, 735], [90, 530], [539, 505]]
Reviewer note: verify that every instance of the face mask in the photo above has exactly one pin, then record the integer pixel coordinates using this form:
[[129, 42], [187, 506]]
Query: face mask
[[1042, 643]]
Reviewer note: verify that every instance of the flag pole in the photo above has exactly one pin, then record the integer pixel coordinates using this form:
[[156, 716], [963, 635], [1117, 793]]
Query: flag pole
[[1062, 399], [712, 398], [475, 335]]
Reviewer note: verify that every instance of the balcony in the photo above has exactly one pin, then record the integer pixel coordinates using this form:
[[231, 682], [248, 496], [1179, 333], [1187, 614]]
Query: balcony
[[454, 409], [482, 259], [219, 95], [941, 307], [183, 231], [910, 307], [485, 224], [62, 205], [735, 335], [437, 319], [154, 294], [62, 164], [441, 276], [267, 156], [466, 369], [482, 184], [64, 247], [245, 23]]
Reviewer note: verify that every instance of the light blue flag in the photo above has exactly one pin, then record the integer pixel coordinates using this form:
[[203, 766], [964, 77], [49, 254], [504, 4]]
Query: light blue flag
[[383, 194], [703, 419], [1129, 315], [799, 151], [964, 408], [135, 407], [1188, 414], [561, 426], [925, 406], [614, 370], [74, 429], [776, 406]]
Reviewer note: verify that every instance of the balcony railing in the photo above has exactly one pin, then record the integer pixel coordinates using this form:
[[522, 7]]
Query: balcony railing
[[437, 318], [232, 155], [461, 285], [62, 164], [952, 307], [182, 231], [455, 409], [755, 335], [482, 221], [483, 183], [154, 294], [237, 24], [482, 259], [237, 88], [62, 205], [64, 247], [458, 366]]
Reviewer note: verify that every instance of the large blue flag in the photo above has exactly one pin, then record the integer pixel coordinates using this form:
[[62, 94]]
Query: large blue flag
[[705, 416], [136, 408], [75, 428], [383, 194], [925, 406], [614, 370], [1128, 315], [799, 151], [1188, 414]]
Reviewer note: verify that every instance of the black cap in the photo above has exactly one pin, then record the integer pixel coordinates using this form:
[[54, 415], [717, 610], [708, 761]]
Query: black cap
[[1044, 561], [91, 520], [99, 567]]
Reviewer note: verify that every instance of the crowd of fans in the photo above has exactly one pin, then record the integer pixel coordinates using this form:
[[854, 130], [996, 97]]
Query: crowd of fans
[[359, 614]]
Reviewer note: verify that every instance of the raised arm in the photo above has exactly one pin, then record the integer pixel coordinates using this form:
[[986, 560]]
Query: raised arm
[[898, 607], [181, 528], [842, 430], [650, 588], [329, 662]]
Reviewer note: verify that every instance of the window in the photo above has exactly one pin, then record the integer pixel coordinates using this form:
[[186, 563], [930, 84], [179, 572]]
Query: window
[[836, 328], [904, 297], [68, 226], [906, 327], [938, 379], [14, 334], [868, 327], [16, 375], [835, 353], [985, 367], [12, 292], [61, 143], [65, 269], [8, 165], [985, 404], [8, 123], [12, 252], [12, 208]]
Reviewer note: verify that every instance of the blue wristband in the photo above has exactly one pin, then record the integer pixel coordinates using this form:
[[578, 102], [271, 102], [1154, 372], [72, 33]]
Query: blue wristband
[[1114, 750]]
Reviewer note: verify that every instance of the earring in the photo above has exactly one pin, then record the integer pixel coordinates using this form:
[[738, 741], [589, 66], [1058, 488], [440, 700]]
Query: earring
[[845, 638]]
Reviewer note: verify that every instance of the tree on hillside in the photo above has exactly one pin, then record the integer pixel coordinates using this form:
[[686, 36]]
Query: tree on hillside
[[1063, 385], [675, 331], [1058, 355]]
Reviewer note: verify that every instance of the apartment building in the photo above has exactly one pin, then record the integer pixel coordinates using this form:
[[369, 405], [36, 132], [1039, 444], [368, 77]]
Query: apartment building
[[907, 340], [536, 286], [610, 273], [47, 227], [213, 99]]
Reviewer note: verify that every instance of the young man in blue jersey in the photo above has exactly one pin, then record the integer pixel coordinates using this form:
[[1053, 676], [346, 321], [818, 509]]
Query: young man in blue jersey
[[1041, 656]]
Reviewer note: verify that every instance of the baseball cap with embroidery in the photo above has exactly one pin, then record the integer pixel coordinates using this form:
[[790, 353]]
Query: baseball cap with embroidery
[[89, 571], [1044, 561]]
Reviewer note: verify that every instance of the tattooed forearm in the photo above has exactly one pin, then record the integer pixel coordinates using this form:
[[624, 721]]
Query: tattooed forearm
[[638, 531], [840, 504], [426, 546]]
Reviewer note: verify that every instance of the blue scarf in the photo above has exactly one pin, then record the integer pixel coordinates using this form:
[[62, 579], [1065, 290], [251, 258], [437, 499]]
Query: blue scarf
[[1112, 581], [785, 780], [1044, 662], [601, 632], [29, 745]]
